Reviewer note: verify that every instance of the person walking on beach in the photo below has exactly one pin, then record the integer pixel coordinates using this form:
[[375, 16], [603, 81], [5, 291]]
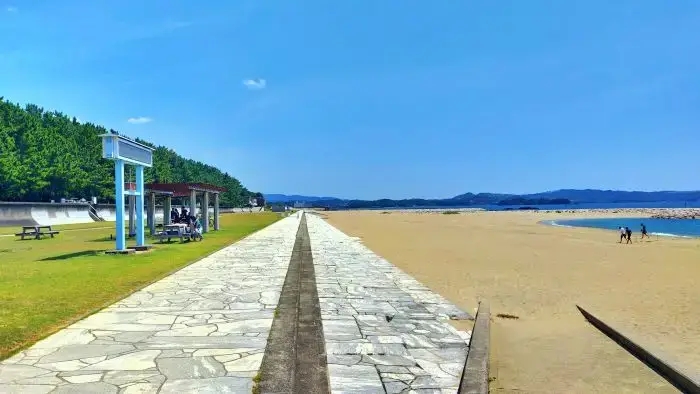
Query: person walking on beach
[[629, 235], [644, 231], [623, 233]]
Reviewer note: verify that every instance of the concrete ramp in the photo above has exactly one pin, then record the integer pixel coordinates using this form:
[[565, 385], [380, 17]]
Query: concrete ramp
[[109, 214], [45, 214], [55, 214]]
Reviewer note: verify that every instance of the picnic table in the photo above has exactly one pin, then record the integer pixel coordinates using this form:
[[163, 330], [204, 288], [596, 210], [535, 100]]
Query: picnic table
[[175, 230], [36, 231]]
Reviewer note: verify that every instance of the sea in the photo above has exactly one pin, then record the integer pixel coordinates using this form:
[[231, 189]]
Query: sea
[[657, 227], [686, 228]]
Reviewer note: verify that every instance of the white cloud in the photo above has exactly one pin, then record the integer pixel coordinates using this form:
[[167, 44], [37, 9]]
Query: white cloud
[[139, 120], [255, 84], [11, 9]]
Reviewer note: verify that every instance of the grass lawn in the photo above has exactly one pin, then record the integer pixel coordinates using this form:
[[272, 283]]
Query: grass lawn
[[47, 284]]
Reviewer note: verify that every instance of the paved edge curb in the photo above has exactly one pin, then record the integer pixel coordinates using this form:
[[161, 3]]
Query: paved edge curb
[[475, 378], [665, 369]]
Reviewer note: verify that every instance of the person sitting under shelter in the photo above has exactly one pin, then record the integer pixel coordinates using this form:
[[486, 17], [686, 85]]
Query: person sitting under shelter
[[174, 216], [195, 227], [184, 216]]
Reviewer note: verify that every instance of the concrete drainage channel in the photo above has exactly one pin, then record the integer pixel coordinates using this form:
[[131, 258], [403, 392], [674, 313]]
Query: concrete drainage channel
[[295, 356]]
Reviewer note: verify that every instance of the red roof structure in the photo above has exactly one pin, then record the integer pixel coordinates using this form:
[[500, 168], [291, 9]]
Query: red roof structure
[[183, 189]]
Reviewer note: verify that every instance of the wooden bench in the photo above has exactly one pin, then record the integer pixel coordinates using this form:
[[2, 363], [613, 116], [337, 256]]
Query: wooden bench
[[36, 232], [50, 232], [26, 233]]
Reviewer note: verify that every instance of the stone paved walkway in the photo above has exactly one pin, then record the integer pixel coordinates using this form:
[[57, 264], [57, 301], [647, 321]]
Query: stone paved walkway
[[203, 329], [384, 331]]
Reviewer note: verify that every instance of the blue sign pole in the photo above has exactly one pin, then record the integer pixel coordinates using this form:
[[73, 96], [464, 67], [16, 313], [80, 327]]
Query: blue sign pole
[[140, 241], [119, 193], [125, 151]]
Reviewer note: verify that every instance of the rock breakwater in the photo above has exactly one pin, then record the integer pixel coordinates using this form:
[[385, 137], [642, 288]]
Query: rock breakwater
[[657, 213]]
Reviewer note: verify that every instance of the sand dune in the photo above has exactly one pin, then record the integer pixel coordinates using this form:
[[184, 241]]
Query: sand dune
[[539, 273]]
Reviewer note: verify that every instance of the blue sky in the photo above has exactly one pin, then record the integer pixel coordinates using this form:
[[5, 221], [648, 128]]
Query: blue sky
[[379, 98]]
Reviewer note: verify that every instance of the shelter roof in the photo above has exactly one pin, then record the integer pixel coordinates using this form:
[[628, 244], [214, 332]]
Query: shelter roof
[[183, 189]]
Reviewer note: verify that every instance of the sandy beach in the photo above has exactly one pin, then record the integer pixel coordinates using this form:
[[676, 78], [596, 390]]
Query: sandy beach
[[539, 273]]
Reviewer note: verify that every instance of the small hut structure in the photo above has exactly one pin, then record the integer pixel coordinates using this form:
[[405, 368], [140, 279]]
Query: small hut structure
[[183, 190]]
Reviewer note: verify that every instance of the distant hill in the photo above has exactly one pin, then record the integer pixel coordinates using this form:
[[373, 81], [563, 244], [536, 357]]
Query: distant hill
[[272, 198], [616, 196], [564, 196], [463, 200], [482, 198]]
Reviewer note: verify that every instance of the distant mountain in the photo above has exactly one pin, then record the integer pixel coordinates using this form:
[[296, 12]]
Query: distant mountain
[[481, 198], [272, 198], [563, 197], [534, 201], [616, 196]]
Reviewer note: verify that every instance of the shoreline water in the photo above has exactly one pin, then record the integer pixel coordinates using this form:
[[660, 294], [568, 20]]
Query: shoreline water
[[554, 223], [664, 227]]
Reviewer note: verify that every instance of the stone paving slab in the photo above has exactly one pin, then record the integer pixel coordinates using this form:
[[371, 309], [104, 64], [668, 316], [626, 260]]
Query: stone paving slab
[[203, 329], [384, 332]]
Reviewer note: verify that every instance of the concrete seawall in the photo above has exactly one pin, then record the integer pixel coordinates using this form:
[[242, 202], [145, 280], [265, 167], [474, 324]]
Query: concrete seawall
[[29, 214], [16, 215], [51, 214], [239, 210]]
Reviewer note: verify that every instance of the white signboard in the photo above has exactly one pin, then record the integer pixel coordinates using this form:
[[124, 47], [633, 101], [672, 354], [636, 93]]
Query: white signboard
[[116, 147]]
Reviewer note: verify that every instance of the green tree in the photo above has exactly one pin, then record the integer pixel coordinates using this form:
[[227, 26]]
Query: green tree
[[48, 155]]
